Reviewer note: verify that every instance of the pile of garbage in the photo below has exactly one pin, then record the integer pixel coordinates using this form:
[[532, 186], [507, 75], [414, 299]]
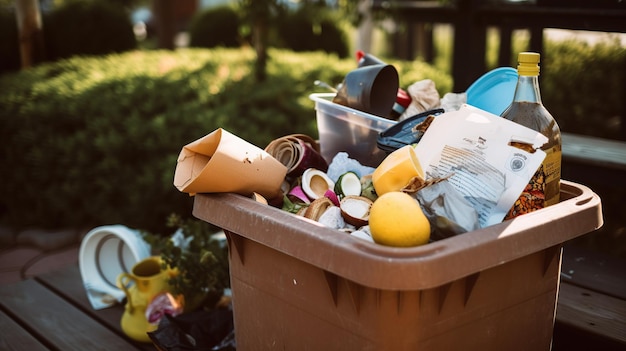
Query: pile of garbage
[[463, 165]]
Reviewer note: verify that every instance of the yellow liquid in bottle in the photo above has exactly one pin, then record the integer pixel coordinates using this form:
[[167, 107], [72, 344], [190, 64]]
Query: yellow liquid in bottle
[[544, 188]]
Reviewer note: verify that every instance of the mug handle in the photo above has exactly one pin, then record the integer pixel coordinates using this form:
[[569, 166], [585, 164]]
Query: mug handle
[[123, 281]]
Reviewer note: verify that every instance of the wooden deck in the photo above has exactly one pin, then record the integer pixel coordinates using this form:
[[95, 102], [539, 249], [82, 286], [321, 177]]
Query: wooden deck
[[591, 312], [51, 312]]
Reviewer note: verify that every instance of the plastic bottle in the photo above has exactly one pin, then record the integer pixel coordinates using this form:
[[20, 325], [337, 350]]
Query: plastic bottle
[[527, 109], [403, 100]]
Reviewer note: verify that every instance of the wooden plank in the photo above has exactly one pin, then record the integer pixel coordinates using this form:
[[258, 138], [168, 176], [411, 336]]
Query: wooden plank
[[15, 338], [68, 284], [591, 316], [53, 319], [594, 151], [482, 14], [594, 271]]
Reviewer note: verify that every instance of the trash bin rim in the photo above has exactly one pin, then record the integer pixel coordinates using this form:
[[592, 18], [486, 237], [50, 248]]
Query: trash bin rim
[[414, 268]]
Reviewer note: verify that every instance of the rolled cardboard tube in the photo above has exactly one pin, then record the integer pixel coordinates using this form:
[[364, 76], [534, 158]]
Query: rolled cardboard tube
[[297, 152]]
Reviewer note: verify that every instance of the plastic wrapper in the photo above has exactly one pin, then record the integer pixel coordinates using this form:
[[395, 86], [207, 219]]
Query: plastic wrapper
[[406, 132], [453, 101], [342, 163], [447, 210], [479, 152]]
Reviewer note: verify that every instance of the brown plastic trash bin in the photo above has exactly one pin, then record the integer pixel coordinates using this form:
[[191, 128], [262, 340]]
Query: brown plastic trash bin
[[299, 286]]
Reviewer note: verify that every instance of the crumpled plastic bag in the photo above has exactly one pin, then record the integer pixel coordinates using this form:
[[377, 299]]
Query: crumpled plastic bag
[[342, 163], [198, 330], [447, 210], [453, 101], [424, 97]]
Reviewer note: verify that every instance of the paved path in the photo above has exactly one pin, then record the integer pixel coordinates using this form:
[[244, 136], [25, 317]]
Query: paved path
[[31, 252]]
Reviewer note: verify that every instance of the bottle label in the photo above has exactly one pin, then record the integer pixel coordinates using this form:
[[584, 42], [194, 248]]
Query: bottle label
[[552, 168], [544, 187], [532, 197]]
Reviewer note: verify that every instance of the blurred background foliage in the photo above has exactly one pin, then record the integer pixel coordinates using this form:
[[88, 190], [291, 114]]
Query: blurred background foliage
[[90, 136], [94, 140], [87, 28]]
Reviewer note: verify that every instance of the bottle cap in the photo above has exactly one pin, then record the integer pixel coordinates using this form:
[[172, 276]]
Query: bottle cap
[[403, 98], [365, 59], [528, 64], [359, 55]]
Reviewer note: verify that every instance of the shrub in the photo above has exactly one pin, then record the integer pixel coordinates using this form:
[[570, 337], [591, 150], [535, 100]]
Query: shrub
[[89, 141], [87, 27], [582, 88], [413, 71], [218, 26], [300, 31], [9, 51]]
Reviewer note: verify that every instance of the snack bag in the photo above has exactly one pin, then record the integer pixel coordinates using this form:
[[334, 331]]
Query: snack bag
[[479, 153]]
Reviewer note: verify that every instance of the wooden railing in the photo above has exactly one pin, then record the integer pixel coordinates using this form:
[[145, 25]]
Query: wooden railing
[[471, 18]]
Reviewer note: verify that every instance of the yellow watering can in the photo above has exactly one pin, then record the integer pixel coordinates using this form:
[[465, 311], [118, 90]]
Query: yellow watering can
[[146, 281]]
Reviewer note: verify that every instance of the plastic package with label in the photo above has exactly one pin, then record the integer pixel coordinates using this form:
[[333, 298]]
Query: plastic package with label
[[479, 154]]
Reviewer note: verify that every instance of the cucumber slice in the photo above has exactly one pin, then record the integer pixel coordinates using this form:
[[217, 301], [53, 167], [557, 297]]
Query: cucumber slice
[[348, 184]]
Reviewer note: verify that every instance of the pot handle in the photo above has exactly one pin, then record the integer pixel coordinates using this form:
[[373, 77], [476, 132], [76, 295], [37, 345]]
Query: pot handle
[[123, 282]]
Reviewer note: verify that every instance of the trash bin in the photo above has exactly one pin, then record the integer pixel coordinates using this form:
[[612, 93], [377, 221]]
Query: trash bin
[[297, 285]]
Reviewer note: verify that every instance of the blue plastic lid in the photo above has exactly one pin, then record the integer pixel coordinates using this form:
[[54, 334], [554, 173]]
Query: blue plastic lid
[[493, 91]]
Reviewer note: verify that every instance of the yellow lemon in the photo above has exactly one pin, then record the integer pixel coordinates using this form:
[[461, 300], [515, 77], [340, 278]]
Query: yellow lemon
[[397, 171], [396, 219]]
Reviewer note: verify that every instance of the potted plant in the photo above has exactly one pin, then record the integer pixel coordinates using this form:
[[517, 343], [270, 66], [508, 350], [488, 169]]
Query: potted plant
[[197, 252]]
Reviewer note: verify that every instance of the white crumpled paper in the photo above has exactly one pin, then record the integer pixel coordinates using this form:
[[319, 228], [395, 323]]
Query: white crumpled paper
[[424, 97], [453, 101]]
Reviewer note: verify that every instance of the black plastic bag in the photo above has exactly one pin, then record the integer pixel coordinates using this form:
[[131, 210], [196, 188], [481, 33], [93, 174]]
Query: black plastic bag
[[199, 331]]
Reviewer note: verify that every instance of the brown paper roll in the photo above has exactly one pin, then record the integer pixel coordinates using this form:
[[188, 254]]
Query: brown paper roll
[[223, 162], [297, 152]]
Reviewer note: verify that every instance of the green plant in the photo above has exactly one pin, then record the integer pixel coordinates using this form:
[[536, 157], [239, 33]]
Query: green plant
[[201, 260], [218, 26], [301, 31], [87, 27], [581, 89], [414, 71], [9, 51], [89, 141]]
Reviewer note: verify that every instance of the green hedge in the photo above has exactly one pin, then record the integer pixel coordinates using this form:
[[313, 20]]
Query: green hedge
[[216, 26], [310, 29], [9, 49], [87, 27], [92, 141], [74, 27], [583, 86]]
